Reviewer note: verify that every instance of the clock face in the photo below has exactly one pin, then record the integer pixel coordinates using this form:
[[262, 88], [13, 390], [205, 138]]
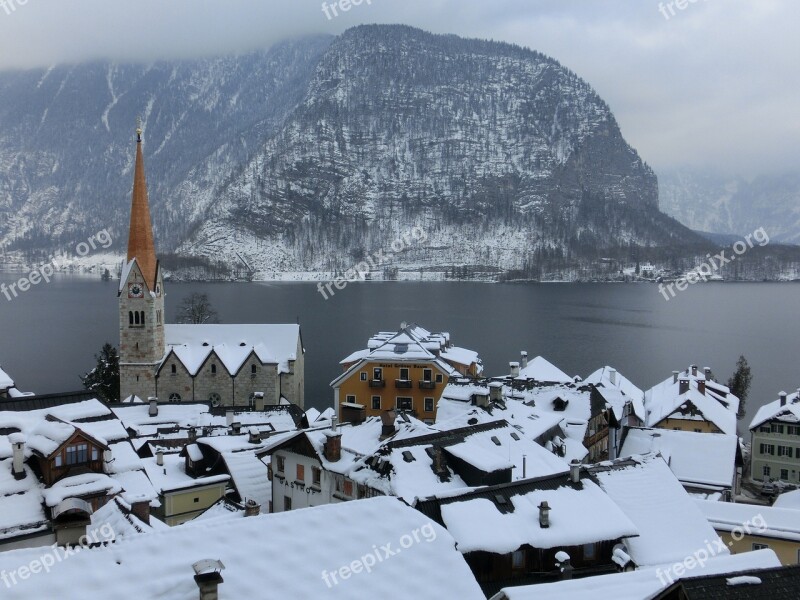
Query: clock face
[[135, 290]]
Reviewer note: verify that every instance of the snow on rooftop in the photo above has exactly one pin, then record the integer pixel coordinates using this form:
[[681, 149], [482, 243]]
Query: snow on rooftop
[[300, 544], [767, 521], [21, 504], [540, 369], [462, 356], [5, 381], [172, 475], [249, 475], [478, 525], [642, 584], [788, 500], [80, 485], [603, 377], [233, 344], [789, 413], [682, 451], [670, 525]]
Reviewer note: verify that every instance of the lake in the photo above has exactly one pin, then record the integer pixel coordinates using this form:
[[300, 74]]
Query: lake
[[51, 332]]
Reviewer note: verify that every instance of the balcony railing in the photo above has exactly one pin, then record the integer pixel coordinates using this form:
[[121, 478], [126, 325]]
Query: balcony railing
[[403, 383], [377, 383], [426, 384]]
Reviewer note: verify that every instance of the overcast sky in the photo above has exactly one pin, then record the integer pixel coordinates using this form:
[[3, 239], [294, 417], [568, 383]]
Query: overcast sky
[[716, 84]]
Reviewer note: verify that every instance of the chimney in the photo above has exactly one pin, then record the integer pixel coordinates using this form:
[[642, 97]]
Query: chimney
[[334, 423], [524, 466], [236, 428], [514, 367], [675, 376], [783, 398], [108, 458], [439, 461], [388, 429], [192, 435], [684, 386], [523, 359], [701, 386], [482, 400], [18, 463], [694, 370], [612, 376], [229, 418], [797, 397], [564, 563], [707, 373], [208, 577], [544, 515], [254, 435], [333, 443], [496, 391], [252, 508], [141, 510], [160, 458], [575, 471], [153, 411]]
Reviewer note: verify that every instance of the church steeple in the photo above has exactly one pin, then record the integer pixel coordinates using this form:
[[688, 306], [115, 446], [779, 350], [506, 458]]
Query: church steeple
[[140, 236]]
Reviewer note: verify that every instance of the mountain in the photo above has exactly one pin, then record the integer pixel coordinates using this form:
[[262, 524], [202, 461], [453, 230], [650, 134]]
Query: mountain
[[733, 205], [319, 151]]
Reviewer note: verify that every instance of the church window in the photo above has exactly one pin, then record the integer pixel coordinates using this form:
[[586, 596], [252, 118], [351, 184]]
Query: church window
[[213, 369], [174, 369], [136, 318], [174, 397], [215, 399], [142, 316], [253, 370], [130, 318]]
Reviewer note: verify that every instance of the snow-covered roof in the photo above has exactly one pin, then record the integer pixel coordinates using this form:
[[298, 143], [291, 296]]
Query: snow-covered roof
[[788, 500], [272, 344], [788, 414], [325, 538], [249, 476], [5, 381], [80, 485], [577, 516], [603, 377], [716, 404], [461, 356], [540, 369], [695, 458], [115, 522], [172, 475], [21, 504], [670, 525], [642, 584], [767, 521]]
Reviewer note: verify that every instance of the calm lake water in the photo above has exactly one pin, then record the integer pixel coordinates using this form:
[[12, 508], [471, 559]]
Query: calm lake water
[[51, 332]]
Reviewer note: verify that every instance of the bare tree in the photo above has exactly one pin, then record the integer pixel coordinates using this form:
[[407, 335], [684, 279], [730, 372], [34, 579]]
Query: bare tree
[[196, 309]]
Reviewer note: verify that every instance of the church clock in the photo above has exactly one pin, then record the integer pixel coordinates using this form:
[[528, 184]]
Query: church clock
[[135, 290]]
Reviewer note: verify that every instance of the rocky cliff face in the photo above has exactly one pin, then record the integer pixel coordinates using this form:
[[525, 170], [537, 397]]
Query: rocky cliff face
[[320, 151]]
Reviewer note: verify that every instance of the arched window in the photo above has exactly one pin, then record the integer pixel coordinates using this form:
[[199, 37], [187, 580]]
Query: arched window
[[215, 399], [174, 370], [213, 369], [253, 369], [130, 318], [142, 317], [136, 318], [174, 397]]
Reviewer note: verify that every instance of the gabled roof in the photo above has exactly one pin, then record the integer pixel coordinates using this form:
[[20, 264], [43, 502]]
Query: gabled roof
[[193, 344], [670, 525], [766, 521], [788, 414], [602, 377], [540, 369], [781, 583], [160, 566]]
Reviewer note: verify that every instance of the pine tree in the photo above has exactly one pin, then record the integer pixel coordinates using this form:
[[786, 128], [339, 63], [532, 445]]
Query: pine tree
[[739, 384], [104, 378]]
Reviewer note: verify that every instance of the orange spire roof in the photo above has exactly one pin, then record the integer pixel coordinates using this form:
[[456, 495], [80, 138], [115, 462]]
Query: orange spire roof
[[140, 237]]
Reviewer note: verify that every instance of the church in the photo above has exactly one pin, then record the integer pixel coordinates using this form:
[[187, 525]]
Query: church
[[247, 366]]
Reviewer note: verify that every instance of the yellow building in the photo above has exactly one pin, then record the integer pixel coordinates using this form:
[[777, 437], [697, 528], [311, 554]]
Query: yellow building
[[404, 370], [748, 527]]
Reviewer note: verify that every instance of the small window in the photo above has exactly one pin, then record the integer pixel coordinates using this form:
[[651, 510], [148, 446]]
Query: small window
[[405, 403], [785, 474], [376, 403], [515, 436], [404, 374], [174, 397], [427, 375], [281, 464], [351, 398], [438, 378], [213, 369], [253, 370], [287, 503], [760, 546], [348, 487], [142, 316], [215, 399], [495, 440], [301, 472], [316, 475], [377, 374], [130, 318], [58, 460], [589, 552], [136, 318], [518, 559], [766, 470], [363, 375], [95, 454], [428, 404], [173, 369]]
